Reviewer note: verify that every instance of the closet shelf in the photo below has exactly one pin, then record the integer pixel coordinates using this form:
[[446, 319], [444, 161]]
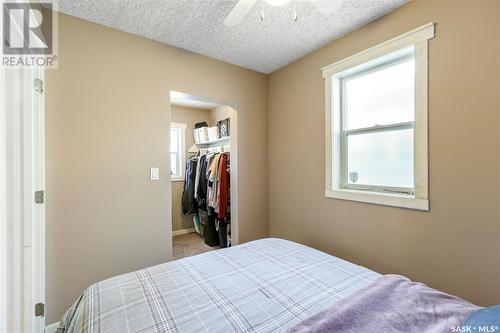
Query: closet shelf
[[218, 141]]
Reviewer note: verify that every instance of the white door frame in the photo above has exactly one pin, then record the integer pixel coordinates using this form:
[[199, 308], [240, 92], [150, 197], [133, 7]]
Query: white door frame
[[22, 221], [4, 288], [37, 153]]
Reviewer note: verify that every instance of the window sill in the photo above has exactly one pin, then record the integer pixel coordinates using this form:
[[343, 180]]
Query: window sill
[[386, 199]]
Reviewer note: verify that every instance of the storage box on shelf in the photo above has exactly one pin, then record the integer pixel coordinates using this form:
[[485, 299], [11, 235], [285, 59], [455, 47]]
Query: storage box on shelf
[[213, 133], [200, 135]]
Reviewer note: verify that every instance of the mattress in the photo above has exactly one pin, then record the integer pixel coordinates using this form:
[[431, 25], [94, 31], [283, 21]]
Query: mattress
[[266, 285]]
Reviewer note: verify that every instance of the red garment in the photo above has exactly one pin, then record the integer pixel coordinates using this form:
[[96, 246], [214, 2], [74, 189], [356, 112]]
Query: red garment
[[223, 186]]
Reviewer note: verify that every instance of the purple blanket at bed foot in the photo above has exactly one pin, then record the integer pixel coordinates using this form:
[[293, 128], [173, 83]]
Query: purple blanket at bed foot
[[392, 303]]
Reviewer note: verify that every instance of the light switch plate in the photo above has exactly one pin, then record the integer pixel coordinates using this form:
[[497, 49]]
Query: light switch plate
[[154, 174]]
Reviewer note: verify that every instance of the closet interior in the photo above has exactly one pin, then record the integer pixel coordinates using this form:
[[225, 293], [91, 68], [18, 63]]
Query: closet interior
[[200, 154]]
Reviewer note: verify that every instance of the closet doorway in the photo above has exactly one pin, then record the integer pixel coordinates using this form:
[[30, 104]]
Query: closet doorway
[[204, 182]]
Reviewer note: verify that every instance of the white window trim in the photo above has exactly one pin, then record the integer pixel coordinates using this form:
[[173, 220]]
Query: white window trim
[[182, 152], [420, 199]]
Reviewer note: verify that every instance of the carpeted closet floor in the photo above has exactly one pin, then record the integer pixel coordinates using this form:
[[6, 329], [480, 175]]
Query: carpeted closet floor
[[189, 245]]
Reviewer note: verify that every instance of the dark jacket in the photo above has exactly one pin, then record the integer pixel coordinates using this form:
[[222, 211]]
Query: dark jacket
[[201, 191], [189, 205]]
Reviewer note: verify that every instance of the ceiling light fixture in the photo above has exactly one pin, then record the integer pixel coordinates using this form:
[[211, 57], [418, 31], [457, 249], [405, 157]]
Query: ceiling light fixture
[[277, 3], [243, 7]]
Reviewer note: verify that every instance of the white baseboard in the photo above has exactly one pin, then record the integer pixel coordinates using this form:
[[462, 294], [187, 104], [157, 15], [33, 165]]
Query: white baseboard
[[183, 232], [51, 328]]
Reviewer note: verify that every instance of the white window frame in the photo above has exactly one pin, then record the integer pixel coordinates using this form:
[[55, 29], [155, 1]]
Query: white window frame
[[182, 151], [396, 48]]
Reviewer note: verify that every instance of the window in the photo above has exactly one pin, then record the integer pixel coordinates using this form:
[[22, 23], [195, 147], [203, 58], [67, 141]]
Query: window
[[177, 151], [376, 112], [377, 107]]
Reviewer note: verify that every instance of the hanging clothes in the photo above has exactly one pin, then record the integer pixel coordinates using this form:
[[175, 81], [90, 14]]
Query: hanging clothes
[[189, 205], [201, 190], [212, 196], [197, 177], [223, 198], [213, 181]]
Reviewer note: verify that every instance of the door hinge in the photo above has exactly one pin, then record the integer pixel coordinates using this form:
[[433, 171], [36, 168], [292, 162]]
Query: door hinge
[[39, 197], [39, 310], [38, 85]]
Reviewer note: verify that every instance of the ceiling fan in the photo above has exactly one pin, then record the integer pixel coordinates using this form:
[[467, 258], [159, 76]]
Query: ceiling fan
[[243, 7]]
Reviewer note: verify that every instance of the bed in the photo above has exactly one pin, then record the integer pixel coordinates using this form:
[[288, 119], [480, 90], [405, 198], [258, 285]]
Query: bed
[[266, 285], [269, 285]]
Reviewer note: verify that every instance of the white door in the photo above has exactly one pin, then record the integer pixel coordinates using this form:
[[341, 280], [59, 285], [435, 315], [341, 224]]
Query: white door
[[22, 230]]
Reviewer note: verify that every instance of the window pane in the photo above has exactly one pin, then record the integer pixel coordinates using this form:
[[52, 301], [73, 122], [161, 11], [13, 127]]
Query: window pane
[[381, 158], [382, 97], [174, 140], [173, 164]]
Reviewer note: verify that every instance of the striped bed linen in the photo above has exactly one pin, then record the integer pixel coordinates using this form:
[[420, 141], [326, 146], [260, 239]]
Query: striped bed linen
[[266, 285]]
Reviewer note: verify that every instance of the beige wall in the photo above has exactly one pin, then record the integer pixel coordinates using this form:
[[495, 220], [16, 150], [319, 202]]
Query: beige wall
[[189, 116], [220, 113], [498, 118], [454, 247], [107, 123]]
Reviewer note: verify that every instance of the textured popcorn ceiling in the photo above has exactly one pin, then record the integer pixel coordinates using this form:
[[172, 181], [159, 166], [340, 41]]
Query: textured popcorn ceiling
[[196, 25]]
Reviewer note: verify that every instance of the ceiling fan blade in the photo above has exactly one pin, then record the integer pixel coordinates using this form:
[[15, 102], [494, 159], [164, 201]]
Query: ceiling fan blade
[[328, 7], [240, 10]]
